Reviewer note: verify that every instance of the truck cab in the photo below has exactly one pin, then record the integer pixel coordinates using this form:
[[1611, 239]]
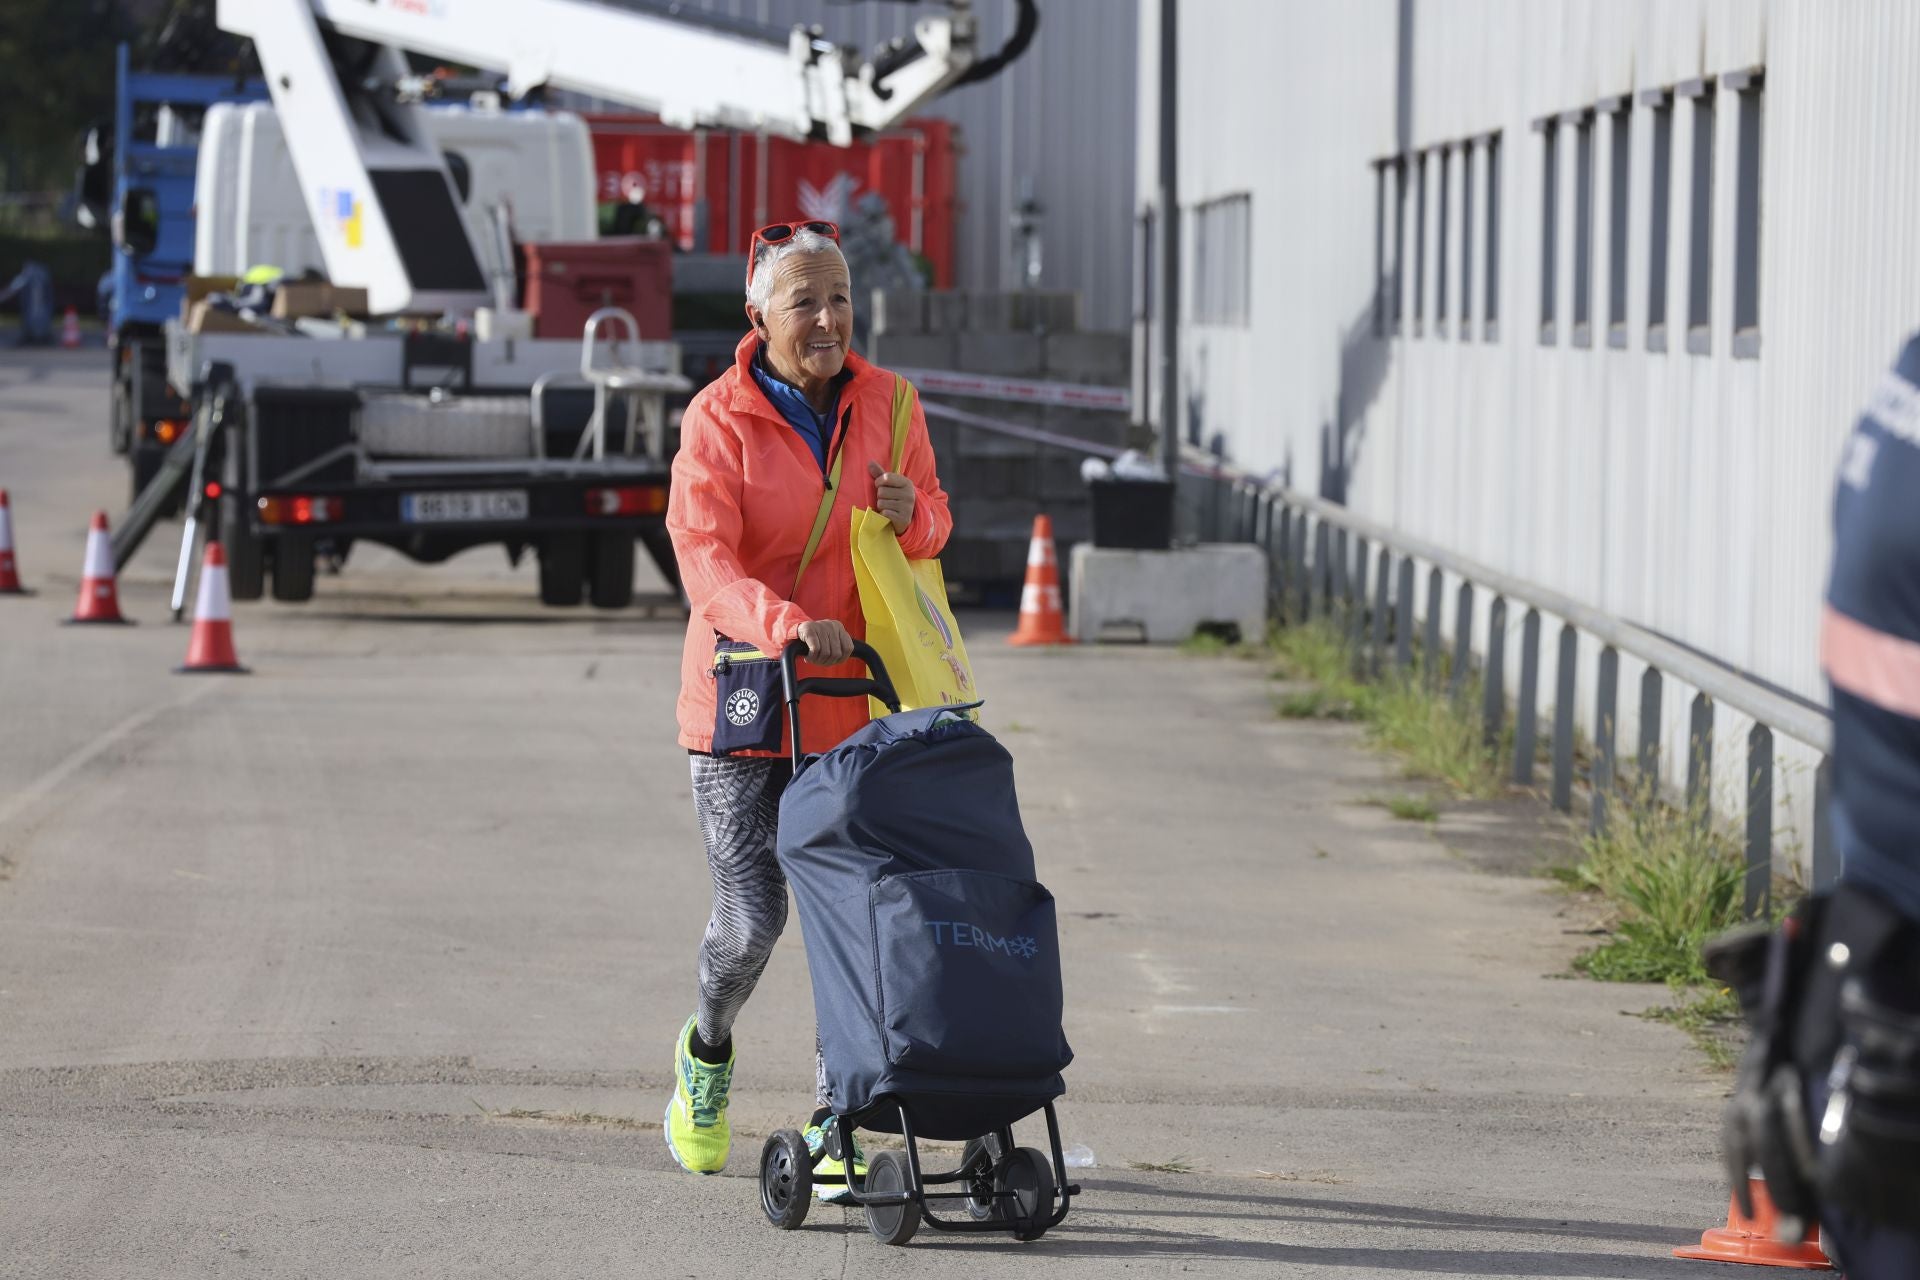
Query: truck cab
[[138, 178]]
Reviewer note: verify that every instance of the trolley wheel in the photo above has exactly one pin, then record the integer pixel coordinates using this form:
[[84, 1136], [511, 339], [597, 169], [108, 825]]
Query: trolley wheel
[[786, 1179], [980, 1202], [1028, 1174], [890, 1223]]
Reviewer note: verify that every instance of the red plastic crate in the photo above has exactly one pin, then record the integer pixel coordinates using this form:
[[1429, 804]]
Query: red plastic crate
[[568, 281]]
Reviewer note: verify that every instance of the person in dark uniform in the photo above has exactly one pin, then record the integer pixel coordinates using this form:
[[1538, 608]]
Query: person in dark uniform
[[1827, 1105]]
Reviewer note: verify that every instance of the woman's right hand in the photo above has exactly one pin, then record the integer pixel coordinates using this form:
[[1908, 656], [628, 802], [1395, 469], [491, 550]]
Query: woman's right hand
[[828, 643]]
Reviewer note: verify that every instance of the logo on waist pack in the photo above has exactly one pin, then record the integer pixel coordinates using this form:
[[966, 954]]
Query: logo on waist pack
[[960, 933], [743, 707]]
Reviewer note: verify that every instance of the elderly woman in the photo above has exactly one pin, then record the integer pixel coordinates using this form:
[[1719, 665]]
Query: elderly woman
[[774, 456]]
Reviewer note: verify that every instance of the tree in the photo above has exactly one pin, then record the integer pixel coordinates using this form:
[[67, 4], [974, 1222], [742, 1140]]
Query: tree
[[56, 77]]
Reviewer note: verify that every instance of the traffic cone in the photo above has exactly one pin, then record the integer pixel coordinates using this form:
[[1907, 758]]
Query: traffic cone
[[211, 648], [70, 329], [99, 598], [1042, 620], [9, 571], [1751, 1240]]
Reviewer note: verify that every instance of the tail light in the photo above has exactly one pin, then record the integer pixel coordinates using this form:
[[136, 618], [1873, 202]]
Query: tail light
[[633, 500], [167, 430], [301, 509]]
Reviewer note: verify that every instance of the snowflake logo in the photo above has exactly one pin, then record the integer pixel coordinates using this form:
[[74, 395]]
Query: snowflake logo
[[1024, 947], [743, 707]]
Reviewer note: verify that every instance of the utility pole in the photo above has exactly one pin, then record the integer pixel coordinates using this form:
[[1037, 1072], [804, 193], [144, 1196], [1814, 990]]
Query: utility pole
[[1169, 238]]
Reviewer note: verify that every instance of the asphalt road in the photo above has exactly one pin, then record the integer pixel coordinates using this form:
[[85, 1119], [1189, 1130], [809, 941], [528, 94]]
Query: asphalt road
[[369, 964]]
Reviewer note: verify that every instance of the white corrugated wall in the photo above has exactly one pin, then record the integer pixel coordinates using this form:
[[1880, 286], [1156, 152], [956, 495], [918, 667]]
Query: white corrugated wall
[[1061, 117], [1685, 492]]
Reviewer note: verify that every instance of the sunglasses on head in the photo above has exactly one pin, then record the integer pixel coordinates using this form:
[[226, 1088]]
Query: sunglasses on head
[[776, 232]]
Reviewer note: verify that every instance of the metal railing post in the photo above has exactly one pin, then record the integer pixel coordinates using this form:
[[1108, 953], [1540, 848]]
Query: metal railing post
[[1526, 725], [1403, 617], [1563, 712], [1826, 859], [1605, 715], [1430, 657], [1493, 694], [1700, 759], [1382, 571], [1759, 820], [1462, 643], [1648, 758], [1357, 607]]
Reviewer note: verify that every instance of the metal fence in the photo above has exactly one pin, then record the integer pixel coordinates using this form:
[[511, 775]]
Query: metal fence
[[1328, 562]]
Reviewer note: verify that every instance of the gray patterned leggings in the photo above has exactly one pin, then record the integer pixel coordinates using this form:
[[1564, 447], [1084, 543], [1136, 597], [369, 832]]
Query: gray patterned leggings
[[737, 799]]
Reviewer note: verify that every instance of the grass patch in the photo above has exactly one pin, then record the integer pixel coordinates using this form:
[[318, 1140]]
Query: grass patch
[[1407, 808], [1179, 1164], [1205, 644], [1438, 736], [1676, 878], [1711, 1019]]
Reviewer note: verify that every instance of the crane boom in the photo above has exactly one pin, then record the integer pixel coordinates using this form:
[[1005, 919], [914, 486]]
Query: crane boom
[[379, 192]]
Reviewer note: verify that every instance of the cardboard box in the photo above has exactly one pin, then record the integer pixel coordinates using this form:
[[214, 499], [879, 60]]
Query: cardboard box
[[198, 287], [204, 317], [297, 298]]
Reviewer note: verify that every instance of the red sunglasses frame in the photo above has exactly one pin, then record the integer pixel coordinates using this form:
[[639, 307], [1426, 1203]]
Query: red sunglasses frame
[[781, 232]]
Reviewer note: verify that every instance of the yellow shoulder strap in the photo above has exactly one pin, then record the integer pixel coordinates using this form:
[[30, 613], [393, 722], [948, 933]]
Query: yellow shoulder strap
[[902, 420], [819, 523]]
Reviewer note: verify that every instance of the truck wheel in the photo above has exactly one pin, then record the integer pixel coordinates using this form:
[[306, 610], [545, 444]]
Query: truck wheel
[[610, 585], [120, 423], [293, 569], [246, 565], [563, 569]]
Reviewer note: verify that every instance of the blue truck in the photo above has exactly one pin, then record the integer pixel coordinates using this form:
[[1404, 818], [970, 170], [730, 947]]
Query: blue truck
[[139, 180]]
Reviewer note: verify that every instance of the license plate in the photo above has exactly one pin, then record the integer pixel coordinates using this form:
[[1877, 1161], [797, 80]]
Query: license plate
[[482, 504]]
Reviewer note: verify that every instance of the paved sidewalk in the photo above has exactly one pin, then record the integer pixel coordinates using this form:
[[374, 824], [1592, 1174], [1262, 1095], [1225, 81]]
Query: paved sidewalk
[[368, 965]]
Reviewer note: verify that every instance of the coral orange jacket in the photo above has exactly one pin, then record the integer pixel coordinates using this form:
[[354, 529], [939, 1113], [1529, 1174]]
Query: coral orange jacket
[[746, 489]]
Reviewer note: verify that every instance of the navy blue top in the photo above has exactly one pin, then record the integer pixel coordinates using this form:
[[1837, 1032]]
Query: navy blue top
[[816, 428], [1876, 583]]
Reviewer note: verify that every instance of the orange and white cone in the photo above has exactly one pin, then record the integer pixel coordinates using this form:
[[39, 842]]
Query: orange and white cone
[[9, 571], [1042, 620], [1753, 1240], [211, 649], [99, 597], [70, 329]]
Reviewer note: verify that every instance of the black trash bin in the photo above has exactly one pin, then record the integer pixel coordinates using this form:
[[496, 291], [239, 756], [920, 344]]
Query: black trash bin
[[1134, 515]]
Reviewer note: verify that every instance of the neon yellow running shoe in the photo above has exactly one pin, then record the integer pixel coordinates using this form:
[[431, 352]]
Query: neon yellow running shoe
[[698, 1135], [832, 1193]]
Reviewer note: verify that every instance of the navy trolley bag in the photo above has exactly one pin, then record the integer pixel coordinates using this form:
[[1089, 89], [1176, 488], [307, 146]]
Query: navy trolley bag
[[934, 952]]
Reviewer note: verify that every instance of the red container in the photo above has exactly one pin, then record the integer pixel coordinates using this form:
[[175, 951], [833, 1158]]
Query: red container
[[746, 181], [569, 281]]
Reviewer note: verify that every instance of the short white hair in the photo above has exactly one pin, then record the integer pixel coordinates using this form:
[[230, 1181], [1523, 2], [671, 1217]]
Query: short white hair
[[760, 278]]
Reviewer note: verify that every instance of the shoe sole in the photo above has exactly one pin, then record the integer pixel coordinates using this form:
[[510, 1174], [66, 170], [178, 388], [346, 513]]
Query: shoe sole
[[666, 1131]]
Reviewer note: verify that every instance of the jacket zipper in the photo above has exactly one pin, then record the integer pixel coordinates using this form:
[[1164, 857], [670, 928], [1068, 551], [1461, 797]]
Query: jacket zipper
[[838, 442]]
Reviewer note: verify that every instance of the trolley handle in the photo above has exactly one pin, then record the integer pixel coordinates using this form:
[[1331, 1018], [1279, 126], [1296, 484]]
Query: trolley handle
[[877, 685]]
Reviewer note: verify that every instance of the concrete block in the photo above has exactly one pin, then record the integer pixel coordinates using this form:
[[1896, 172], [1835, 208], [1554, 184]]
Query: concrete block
[[1056, 311], [914, 350], [1104, 359], [990, 313], [1166, 596], [946, 311], [899, 311], [1002, 355]]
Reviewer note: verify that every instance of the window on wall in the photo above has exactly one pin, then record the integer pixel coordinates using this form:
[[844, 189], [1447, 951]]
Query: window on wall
[[1443, 194], [1549, 227], [1746, 217], [1700, 220], [1399, 242], [1660, 223], [1468, 173], [1419, 242], [1380, 284], [1619, 170], [1582, 227], [1490, 299], [1221, 261]]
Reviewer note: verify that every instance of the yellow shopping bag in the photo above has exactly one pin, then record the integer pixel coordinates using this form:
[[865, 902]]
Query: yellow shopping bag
[[909, 622]]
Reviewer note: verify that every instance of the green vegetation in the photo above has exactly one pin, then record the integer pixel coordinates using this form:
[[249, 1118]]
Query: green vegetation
[[1407, 808], [1676, 879]]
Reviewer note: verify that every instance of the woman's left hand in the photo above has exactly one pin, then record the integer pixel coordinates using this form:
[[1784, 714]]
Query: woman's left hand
[[893, 496]]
